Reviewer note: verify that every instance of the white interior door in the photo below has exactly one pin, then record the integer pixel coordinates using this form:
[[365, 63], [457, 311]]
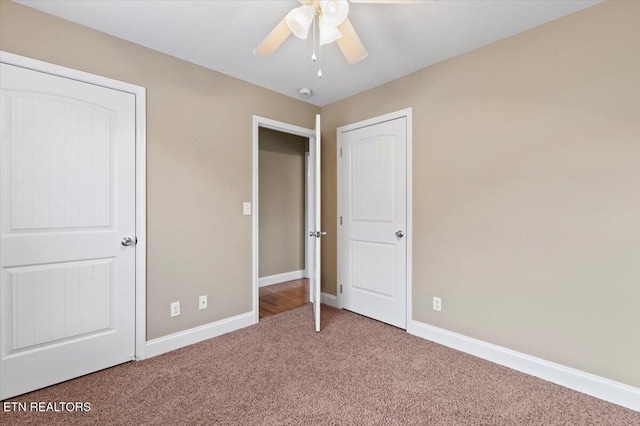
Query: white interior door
[[67, 205], [374, 214], [316, 234]]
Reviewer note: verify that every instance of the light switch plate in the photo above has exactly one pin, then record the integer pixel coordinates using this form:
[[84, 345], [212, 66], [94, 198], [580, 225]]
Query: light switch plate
[[175, 309], [246, 208], [437, 304]]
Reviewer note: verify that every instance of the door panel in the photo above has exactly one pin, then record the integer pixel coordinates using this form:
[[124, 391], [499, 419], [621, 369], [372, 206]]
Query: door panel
[[58, 182], [373, 268], [59, 301], [67, 285], [374, 191], [372, 180]]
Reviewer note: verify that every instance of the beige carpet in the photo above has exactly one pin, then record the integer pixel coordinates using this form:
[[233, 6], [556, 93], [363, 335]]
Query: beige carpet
[[356, 372]]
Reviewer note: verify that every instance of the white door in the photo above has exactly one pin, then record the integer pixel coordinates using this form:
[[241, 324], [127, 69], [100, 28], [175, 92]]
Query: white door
[[374, 216], [316, 234], [67, 205]]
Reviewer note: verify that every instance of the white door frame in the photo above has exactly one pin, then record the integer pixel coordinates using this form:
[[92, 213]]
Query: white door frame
[[279, 126], [141, 173], [409, 234]]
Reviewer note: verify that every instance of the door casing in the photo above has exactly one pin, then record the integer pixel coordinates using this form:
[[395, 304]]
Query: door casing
[[140, 163], [409, 228]]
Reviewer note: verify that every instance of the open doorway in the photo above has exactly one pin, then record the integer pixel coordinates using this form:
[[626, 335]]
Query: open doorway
[[312, 203], [283, 275]]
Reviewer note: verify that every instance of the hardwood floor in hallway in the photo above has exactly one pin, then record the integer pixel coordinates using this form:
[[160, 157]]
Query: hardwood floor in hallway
[[282, 297]]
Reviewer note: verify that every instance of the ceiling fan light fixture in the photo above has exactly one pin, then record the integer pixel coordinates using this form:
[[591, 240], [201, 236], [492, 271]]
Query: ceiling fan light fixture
[[328, 33], [334, 11], [299, 21]]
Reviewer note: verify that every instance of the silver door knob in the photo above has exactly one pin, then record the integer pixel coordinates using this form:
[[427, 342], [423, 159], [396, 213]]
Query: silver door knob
[[317, 234], [126, 241], [399, 234]]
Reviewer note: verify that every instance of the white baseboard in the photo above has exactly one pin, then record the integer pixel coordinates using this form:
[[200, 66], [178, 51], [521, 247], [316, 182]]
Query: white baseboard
[[197, 334], [329, 300], [280, 278], [608, 390]]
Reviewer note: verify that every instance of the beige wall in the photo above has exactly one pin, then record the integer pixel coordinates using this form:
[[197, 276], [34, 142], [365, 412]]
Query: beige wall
[[199, 145], [281, 184], [526, 190]]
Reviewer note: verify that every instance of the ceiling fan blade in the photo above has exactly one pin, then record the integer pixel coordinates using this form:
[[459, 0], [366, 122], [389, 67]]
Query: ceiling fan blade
[[350, 44], [386, 1], [273, 40]]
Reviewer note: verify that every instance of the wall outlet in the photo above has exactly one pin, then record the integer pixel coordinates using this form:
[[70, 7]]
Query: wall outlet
[[437, 304], [246, 208], [202, 302], [175, 309]]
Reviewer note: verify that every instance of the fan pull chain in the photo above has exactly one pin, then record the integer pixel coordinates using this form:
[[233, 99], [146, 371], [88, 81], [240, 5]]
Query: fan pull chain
[[320, 61], [314, 58]]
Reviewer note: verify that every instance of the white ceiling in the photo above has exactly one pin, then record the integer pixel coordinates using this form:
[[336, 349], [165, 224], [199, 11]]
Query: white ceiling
[[221, 35]]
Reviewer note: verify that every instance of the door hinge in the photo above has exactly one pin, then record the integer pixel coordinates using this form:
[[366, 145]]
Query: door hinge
[[340, 151], [340, 220], [340, 288]]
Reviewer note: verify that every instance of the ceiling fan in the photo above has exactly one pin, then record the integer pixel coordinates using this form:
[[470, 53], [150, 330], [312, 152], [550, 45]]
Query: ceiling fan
[[333, 23]]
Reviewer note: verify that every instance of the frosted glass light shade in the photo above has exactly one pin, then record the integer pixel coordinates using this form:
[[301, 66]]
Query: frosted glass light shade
[[299, 20], [328, 33], [334, 11]]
